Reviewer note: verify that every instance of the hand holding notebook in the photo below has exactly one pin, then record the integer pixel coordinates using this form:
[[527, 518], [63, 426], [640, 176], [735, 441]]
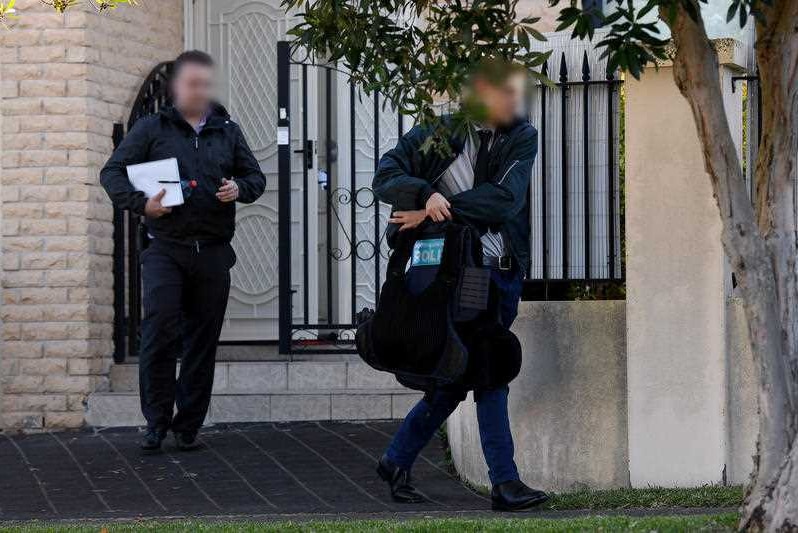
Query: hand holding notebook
[[155, 176]]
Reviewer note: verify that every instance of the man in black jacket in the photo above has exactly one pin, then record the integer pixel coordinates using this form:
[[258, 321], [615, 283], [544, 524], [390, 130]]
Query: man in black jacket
[[485, 184], [186, 267]]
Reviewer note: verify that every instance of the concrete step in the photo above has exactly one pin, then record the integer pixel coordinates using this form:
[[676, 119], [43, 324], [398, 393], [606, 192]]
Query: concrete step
[[271, 352], [119, 409], [267, 377]]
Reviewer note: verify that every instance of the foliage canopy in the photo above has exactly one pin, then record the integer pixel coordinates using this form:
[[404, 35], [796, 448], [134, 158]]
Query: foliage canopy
[[419, 52]]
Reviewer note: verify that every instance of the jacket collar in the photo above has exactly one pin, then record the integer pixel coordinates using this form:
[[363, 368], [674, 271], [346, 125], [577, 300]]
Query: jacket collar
[[217, 116], [501, 135]]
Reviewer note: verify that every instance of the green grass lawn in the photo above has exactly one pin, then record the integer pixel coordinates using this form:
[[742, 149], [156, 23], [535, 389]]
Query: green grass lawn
[[653, 498], [595, 500], [721, 522], [650, 498], [706, 496]]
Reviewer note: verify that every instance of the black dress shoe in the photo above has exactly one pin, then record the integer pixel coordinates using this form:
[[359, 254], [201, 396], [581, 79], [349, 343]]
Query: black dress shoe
[[515, 496], [398, 479], [151, 442], [186, 441]]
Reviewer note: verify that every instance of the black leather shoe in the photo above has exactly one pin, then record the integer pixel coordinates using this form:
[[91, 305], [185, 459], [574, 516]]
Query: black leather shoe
[[515, 496], [151, 442], [186, 441], [398, 479]]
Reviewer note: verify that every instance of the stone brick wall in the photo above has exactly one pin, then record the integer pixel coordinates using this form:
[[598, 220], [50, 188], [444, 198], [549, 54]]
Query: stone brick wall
[[65, 80]]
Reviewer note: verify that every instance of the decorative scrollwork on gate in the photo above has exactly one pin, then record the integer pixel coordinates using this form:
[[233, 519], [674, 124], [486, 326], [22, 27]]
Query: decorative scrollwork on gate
[[340, 338], [362, 249]]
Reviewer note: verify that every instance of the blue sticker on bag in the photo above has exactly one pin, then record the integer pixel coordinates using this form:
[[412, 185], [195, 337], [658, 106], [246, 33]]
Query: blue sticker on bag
[[427, 252]]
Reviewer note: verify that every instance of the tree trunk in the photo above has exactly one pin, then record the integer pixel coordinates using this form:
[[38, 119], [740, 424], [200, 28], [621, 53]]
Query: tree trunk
[[761, 244]]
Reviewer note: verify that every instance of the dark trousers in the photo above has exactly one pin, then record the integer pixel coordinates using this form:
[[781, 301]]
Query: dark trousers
[[185, 291], [421, 423]]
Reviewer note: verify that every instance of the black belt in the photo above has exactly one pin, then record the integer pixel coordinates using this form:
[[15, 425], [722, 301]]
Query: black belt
[[504, 262], [197, 244]]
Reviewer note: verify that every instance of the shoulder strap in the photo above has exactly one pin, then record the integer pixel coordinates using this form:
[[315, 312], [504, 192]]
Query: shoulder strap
[[452, 260], [474, 243], [401, 253]]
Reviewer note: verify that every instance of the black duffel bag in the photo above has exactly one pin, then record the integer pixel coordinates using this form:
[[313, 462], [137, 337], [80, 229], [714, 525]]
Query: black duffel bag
[[437, 322]]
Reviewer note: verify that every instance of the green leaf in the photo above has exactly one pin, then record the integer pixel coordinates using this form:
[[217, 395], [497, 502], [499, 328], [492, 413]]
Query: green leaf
[[545, 80], [743, 16], [415, 52], [523, 38], [536, 34], [647, 8], [732, 11], [540, 58]]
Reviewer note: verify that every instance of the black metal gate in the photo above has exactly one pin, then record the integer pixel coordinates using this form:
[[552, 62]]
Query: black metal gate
[[128, 235], [342, 199], [354, 250]]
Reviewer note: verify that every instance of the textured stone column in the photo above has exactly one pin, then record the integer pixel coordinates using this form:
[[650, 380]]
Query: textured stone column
[[65, 80]]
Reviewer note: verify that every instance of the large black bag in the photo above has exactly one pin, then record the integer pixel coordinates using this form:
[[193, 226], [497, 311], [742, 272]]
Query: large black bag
[[437, 325]]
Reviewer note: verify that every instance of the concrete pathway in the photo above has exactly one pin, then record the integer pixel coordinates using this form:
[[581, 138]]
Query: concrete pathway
[[274, 470]]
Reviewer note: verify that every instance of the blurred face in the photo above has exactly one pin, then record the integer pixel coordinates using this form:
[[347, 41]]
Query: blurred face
[[193, 88], [501, 100]]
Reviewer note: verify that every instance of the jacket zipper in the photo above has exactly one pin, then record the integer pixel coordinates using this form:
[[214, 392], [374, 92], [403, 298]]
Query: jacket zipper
[[433, 182], [515, 162]]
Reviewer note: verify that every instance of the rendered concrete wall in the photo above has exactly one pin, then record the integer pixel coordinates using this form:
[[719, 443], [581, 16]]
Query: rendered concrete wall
[[568, 405], [675, 294]]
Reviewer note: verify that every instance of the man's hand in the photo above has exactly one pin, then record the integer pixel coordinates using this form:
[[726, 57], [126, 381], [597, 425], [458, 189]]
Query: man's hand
[[153, 207], [228, 192], [408, 219], [438, 208]]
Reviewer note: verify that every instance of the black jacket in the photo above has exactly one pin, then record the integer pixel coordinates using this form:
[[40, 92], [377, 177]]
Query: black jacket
[[406, 178], [219, 151]]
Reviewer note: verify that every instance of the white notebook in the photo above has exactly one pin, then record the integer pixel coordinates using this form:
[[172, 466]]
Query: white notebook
[[151, 177]]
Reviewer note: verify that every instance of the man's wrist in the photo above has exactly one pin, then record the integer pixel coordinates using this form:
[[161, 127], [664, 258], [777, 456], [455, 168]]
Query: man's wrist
[[424, 195], [139, 204]]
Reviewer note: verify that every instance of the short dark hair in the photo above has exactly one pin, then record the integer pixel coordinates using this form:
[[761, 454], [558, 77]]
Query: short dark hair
[[195, 57], [497, 70]]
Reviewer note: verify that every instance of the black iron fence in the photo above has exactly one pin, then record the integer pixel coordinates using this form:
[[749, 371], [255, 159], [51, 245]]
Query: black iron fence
[[575, 193], [575, 201]]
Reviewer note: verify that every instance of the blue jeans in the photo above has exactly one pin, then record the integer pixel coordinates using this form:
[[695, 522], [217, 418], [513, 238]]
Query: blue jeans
[[421, 423]]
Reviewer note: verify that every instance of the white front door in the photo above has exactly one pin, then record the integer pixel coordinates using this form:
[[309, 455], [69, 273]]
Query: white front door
[[242, 37]]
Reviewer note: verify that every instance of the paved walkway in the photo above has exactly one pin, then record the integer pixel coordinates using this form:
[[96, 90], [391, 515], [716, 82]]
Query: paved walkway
[[247, 470]]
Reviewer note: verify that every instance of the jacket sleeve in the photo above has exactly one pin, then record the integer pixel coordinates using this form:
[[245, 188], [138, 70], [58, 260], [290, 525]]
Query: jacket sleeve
[[395, 181], [113, 177], [248, 175], [494, 203]]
